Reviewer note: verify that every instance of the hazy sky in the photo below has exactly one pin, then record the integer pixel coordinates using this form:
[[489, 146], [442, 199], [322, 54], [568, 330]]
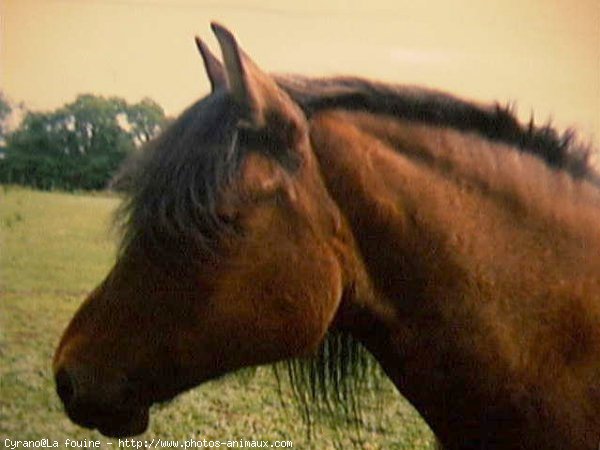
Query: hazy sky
[[544, 55]]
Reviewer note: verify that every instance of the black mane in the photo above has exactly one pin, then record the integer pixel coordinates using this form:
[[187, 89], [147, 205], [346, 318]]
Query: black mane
[[497, 123], [172, 186]]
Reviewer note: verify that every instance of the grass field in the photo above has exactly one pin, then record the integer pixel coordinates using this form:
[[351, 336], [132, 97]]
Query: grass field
[[54, 248]]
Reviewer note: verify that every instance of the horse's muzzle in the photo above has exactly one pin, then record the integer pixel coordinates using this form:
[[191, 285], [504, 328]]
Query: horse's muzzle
[[104, 403]]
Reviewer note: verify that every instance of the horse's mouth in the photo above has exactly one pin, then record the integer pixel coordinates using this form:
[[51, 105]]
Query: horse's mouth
[[116, 423]]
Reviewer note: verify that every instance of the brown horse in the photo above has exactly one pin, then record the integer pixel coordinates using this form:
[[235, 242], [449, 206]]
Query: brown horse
[[461, 248]]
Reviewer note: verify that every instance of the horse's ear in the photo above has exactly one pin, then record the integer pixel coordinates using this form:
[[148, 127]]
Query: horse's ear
[[214, 68], [253, 90]]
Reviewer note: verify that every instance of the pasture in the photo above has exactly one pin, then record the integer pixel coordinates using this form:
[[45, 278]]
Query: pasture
[[54, 248]]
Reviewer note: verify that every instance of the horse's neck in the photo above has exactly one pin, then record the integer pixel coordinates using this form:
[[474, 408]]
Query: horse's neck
[[489, 267], [419, 189]]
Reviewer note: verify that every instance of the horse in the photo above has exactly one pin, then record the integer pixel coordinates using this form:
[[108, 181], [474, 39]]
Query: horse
[[458, 245]]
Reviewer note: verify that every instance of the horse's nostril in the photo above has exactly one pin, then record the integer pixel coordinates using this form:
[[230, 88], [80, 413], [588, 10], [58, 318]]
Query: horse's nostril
[[64, 386]]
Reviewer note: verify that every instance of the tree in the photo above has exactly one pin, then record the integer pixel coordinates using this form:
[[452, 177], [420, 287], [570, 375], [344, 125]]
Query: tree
[[5, 111], [146, 119], [78, 146]]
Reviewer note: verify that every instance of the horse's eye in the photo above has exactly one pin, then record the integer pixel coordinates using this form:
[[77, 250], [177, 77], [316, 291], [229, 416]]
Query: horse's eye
[[228, 218]]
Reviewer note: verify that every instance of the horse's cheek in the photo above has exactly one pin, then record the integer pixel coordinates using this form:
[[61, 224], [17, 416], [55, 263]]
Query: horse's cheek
[[284, 315], [308, 306]]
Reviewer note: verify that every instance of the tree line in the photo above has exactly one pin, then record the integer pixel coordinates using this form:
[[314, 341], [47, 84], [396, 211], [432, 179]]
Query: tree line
[[77, 146]]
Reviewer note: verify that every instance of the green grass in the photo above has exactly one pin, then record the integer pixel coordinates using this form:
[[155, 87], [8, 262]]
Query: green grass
[[54, 248]]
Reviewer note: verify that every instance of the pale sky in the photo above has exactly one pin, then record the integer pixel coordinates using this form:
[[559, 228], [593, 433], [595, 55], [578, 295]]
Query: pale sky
[[543, 55]]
